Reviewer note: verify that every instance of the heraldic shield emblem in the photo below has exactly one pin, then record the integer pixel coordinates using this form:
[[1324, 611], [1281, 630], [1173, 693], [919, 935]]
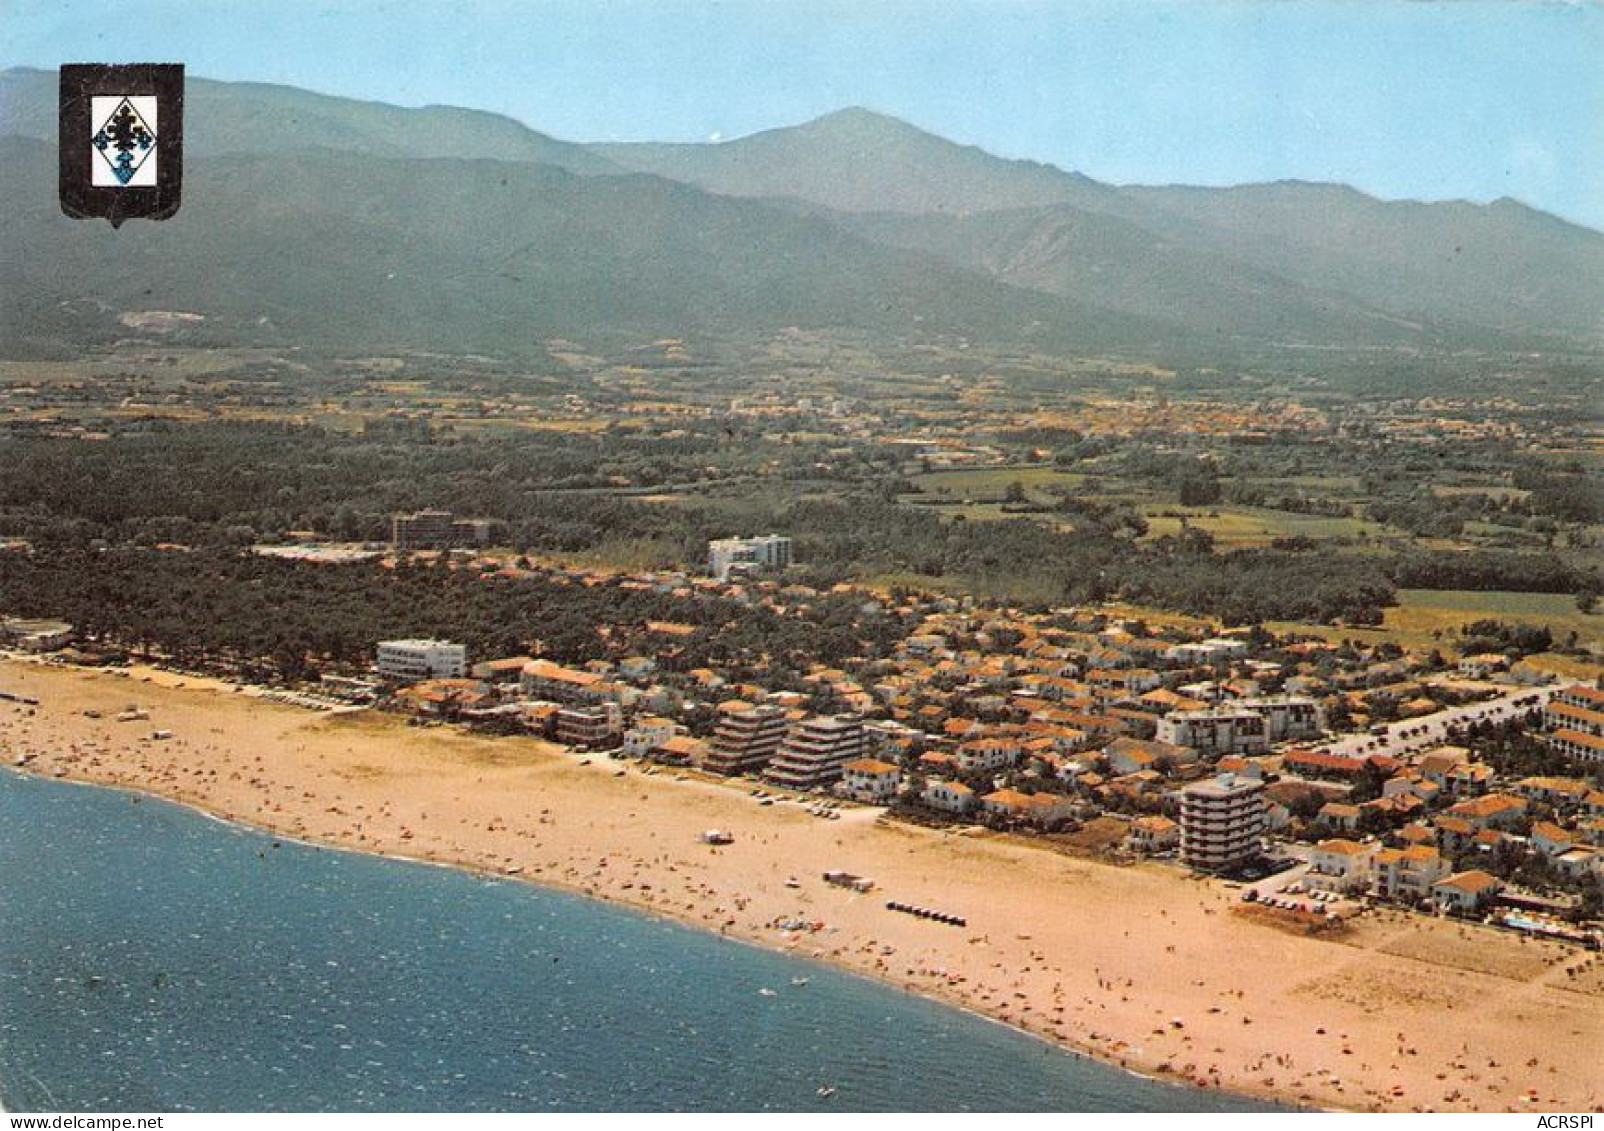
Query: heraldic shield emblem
[[121, 140]]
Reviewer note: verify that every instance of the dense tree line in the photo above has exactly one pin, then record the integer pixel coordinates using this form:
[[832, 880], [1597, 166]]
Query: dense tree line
[[217, 486], [296, 617], [221, 481], [1493, 569], [1565, 493]]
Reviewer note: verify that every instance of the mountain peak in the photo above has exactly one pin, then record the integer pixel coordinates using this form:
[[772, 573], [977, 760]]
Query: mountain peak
[[858, 118]]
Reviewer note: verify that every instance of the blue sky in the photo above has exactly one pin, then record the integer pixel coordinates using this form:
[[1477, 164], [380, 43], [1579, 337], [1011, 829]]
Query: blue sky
[[1402, 98]]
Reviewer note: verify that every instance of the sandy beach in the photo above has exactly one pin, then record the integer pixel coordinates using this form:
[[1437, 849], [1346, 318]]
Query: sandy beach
[[1141, 966]]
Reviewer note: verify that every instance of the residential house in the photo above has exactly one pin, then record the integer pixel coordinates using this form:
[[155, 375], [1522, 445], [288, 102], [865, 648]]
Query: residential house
[[1034, 808], [543, 679], [1128, 755], [1561, 793], [869, 780], [646, 733], [1340, 815], [986, 754], [948, 796], [1551, 839], [1408, 873], [1466, 893], [1341, 865], [1491, 810], [1152, 834]]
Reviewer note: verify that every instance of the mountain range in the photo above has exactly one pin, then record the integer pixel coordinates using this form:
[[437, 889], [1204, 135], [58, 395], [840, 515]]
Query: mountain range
[[358, 226]]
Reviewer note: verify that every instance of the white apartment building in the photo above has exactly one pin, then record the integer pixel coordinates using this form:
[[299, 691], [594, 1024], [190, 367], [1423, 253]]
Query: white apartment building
[[646, 734], [1223, 821], [1207, 651], [36, 635], [593, 725], [1222, 730], [412, 660], [727, 557], [1294, 718]]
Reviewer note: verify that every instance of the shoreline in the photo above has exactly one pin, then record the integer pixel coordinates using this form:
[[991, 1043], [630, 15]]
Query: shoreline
[[1047, 919], [1066, 1047], [235, 823]]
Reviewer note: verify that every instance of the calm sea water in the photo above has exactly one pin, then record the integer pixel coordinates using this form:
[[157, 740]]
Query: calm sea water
[[153, 959]]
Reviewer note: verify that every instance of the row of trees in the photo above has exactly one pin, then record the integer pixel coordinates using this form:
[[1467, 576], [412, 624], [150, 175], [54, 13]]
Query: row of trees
[[293, 618]]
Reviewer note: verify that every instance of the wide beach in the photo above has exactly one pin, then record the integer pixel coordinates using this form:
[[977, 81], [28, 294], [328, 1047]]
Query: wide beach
[[1139, 965]]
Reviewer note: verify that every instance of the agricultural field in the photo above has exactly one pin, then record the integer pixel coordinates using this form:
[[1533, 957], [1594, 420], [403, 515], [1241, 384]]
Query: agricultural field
[[1235, 527], [1426, 618], [976, 482]]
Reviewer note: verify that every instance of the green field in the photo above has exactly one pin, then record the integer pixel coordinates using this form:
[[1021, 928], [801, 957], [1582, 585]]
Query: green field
[[1234, 527], [1426, 618], [1342, 486]]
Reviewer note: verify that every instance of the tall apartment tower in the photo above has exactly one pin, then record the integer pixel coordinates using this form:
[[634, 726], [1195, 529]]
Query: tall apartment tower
[[815, 751], [745, 740], [1223, 822]]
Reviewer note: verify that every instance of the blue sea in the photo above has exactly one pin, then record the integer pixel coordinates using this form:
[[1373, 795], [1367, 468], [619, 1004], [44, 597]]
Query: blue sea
[[154, 959]]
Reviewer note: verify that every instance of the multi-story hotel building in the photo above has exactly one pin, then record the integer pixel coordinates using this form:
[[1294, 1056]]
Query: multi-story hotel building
[[745, 739], [412, 660], [815, 750], [1223, 821]]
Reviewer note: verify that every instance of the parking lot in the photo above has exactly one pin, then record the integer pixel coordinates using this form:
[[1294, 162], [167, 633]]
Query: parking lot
[[1289, 890]]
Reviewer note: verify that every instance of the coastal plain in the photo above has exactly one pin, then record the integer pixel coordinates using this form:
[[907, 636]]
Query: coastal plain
[[1137, 965]]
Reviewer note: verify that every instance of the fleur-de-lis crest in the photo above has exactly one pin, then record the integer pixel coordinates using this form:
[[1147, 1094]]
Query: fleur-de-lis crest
[[121, 134], [124, 132]]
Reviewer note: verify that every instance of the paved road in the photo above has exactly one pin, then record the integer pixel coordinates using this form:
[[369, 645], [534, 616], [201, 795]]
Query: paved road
[[1425, 731]]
